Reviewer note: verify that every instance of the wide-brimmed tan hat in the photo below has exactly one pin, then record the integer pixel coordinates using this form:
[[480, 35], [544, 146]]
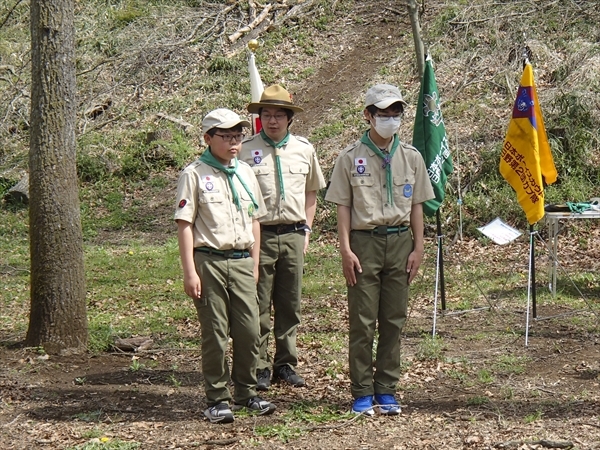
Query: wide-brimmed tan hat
[[222, 118], [274, 96]]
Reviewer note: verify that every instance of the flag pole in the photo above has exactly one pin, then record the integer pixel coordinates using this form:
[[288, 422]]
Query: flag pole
[[460, 202], [532, 268], [440, 258], [435, 293], [530, 289]]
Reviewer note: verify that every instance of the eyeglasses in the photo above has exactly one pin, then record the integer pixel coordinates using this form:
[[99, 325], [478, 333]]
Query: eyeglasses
[[232, 137], [278, 117], [388, 118]]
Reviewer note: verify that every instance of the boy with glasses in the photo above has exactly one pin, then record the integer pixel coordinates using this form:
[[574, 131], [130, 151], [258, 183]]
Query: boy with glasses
[[218, 207], [379, 185], [289, 176]]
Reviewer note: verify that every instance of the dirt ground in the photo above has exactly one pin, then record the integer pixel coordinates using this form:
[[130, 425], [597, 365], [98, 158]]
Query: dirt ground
[[57, 402]]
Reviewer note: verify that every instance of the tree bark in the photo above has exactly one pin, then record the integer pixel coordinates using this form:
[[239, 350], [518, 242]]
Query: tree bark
[[413, 13], [58, 319]]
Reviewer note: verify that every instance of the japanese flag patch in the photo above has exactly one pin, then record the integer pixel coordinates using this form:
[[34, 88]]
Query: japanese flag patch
[[207, 181], [257, 156], [360, 161]]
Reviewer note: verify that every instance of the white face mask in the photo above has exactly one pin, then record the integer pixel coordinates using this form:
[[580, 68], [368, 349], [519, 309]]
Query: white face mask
[[386, 127]]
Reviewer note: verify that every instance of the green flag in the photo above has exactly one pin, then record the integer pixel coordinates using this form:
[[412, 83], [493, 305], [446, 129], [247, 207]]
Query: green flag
[[429, 137]]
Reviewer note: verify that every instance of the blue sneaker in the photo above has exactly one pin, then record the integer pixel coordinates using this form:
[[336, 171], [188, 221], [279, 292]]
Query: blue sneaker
[[363, 405], [387, 405]]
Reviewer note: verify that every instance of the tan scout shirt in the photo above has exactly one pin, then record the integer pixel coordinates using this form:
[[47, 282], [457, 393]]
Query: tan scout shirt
[[204, 199], [301, 174], [359, 181]]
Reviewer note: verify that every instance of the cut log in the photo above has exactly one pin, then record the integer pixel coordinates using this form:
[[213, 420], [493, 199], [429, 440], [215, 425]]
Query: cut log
[[135, 344], [19, 193]]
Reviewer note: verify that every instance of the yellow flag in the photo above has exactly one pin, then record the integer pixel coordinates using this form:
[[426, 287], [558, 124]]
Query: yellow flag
[[526, 161]]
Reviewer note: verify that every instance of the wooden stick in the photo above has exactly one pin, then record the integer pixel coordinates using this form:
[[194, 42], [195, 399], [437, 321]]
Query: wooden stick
[[235, 36], [182, 123]]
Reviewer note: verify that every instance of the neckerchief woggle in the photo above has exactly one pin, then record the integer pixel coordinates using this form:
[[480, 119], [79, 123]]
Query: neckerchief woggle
[[208, 158], [387, 161], [280, 144]]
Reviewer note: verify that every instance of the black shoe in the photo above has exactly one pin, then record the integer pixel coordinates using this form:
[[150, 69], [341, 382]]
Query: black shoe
[[256, 405], [219, 413], [263, 380], [287, 374]]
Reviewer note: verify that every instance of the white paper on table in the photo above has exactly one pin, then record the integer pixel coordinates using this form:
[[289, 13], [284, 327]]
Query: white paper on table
[[500, 232]]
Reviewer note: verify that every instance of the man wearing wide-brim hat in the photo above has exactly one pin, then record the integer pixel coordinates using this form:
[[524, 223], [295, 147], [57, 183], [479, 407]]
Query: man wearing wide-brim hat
[[289, 176]]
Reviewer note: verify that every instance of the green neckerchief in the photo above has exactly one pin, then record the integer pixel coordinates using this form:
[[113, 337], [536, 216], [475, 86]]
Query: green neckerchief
[[208, 158], [387, 161], [280, 144]]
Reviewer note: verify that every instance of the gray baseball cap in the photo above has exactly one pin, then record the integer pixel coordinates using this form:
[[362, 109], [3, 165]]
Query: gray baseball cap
[[222, 118], [383, 95]]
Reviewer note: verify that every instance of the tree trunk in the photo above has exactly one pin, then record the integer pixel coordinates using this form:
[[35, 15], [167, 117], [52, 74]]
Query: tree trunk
[[58, 319], [413, 13]]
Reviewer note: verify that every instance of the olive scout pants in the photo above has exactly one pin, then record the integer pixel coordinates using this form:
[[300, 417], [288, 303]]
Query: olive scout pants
[[228, 307], [378, 300], [280, 286]]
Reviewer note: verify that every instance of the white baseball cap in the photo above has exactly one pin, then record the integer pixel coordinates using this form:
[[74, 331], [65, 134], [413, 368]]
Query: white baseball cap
[[383, 96], [222, 118]]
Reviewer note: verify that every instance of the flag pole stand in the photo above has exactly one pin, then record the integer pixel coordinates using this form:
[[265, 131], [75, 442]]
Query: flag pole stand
[[531, 283], [441, 259], [439, 272], [532, 259]]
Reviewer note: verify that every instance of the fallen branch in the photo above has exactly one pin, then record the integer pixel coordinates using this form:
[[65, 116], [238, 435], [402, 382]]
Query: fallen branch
[[486, 19], [544, 443], [221, 441], [182, 123], [262, 16], [296, 11]]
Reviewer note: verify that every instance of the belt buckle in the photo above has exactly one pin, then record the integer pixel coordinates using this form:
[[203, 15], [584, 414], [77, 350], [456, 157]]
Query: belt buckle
[[382, 229], [228, 253]]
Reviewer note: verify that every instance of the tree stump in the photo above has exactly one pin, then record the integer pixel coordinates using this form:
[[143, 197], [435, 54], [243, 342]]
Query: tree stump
[[19, 193]]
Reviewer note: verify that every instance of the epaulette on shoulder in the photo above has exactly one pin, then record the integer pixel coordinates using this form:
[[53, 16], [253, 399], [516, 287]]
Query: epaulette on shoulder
[[303, 140], [409, 147], [249, 138], [351, 147], [194, 164]]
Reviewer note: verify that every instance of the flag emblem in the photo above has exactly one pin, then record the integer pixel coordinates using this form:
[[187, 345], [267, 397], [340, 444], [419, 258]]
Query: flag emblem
[[360, 161]]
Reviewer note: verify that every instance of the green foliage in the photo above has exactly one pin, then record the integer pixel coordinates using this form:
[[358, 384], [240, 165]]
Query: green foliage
[[478, 400], [105, 443], [431, 348], [530, 418]]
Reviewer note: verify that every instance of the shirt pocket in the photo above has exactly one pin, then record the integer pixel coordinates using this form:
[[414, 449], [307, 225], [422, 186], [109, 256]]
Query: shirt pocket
[[403, 190], [208, 198], [295, 182], [364, 195], [264, 176]]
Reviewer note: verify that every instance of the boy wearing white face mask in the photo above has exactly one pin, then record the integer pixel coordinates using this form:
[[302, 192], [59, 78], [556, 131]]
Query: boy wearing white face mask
[[379, 185]]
